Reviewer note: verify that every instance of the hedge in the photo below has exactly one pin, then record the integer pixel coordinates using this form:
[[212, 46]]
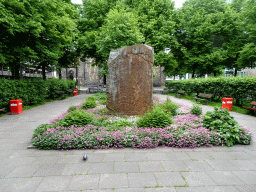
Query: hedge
[[239, 88], [32, 91]]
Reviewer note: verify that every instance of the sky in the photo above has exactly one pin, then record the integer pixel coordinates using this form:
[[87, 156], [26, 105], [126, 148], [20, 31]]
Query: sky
[[178, 3]]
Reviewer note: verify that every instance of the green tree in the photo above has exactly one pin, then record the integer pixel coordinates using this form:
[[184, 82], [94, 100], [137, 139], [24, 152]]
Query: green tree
[[34, 31], [248, 53]]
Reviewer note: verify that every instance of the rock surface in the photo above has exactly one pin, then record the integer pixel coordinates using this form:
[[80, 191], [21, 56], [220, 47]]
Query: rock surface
[[130, 80]]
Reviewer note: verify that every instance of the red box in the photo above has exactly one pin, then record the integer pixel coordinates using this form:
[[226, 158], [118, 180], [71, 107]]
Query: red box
[[75, 91], [16, 106], [227, 103]]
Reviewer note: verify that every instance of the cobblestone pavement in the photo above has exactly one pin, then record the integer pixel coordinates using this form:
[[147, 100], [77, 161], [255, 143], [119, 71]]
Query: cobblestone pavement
[[162, 169]]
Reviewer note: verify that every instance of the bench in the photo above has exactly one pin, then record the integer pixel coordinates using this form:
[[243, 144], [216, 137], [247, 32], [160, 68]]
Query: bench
[[2, 109], [60, 93], [204, 97], [166, 90], [253, 106], [70, 91], [181, 93]]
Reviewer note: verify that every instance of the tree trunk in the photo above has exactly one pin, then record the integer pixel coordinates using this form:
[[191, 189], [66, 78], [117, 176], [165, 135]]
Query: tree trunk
[[43, 70], [17, 71], [193, 75], [235, 72], [104, 79], [214, 73], [60, 77]]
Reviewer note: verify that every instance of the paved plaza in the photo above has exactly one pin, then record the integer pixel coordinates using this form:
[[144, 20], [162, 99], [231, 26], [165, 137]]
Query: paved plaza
[[135, 170]]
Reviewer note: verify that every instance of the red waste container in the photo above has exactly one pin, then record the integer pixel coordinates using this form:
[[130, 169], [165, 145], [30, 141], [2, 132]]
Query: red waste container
[[227, 103], [16, 106], [75, 91]]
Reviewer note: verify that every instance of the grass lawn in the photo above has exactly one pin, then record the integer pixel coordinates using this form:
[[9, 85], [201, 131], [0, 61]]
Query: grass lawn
[[88, 126]]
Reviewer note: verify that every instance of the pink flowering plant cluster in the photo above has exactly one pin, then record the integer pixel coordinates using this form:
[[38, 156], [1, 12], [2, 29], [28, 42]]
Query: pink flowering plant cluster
[[97, 130]]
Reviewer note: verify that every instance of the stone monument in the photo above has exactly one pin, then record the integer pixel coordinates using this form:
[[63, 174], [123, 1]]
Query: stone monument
[[130, 80]]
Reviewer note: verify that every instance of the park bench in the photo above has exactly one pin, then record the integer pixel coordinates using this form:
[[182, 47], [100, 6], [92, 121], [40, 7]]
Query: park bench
[[96, 88], [2, 109], [166, 90], [60, 93], [204, 97], [181, 93], [70, 91], [253, 106]]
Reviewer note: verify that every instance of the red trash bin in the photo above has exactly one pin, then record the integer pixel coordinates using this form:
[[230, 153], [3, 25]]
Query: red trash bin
[[75, 91], [16, 106], [227, 103]]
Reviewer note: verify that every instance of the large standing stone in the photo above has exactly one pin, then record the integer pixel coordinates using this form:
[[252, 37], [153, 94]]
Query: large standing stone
[[130, 80]]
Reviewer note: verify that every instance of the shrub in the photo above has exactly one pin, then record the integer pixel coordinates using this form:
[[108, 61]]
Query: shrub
[[41, 129], [78, 118], [91, 98], [155, 118], [196, 110], [170, 107], [221, 121], [103, 102], [90, 103], [72, 108]]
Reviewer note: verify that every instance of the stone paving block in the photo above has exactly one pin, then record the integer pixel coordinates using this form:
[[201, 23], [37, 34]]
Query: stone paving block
[[54, 183], [23, 171], [241, 156], [135, 156], [174, 166], [169, 179], [45, 160], [225, 178], [222, 149], [252, 153], [222, 165], [243, 164], [191, 189], [222, 189], [150, 166], [41, 153], [70, 159], [18, 161], [50, 169], [248, 177], [178, 156], [123, 167], [23, 184], [6, 169], [113, 157], [15, 153], [198, 179], [219, 155], [157, 157], [164, 149], [101, 168], [246, 188], [117, 180], [130, 190], [198, 166], [76, 169], [169, 189], [4, 183], [199, 155], [141, 180], [82, 182], [202, 149]]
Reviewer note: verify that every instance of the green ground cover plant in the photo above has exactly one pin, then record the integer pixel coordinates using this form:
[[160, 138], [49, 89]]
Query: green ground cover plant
[[94, 129]]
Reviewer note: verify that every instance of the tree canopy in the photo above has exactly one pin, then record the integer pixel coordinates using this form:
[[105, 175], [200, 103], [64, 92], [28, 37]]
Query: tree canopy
[[204, 36]]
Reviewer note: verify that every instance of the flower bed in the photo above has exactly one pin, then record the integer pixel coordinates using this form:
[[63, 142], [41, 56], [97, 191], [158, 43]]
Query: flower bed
[[121, 132]]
